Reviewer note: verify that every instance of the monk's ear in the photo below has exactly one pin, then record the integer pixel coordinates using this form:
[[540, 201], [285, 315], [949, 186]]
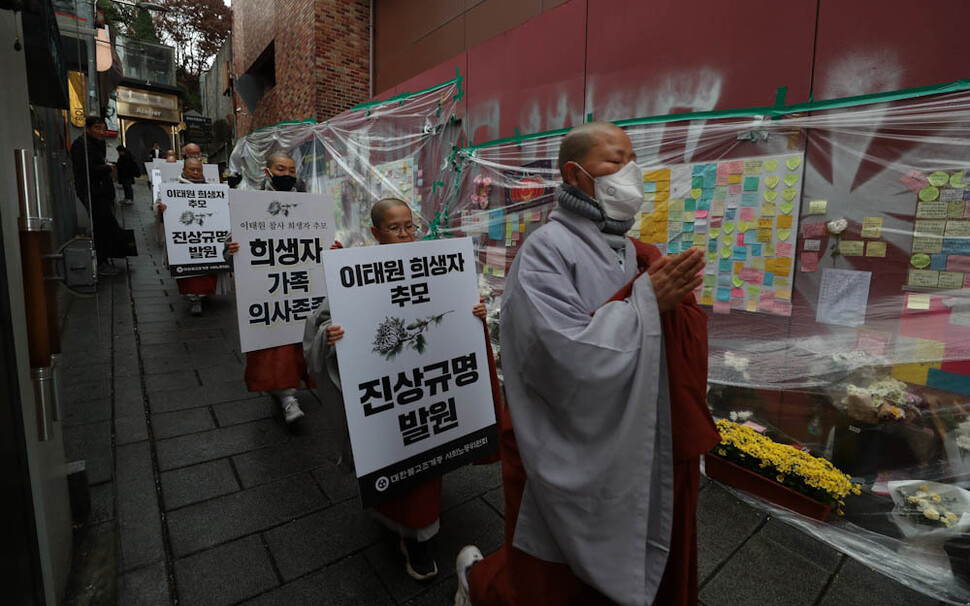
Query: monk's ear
[[570, 173]]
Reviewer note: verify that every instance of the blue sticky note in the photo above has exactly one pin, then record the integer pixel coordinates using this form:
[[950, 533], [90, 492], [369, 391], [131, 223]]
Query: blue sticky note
[[710, 170], [704, 204], [496, 224], [769, 279], [723, 294], [751, 183], [707, 194], [649, 187], [712, 246], [937, 262], [710, 180], [956, 246], [688, 227], [724, 279], [698, 170], [725, 265], [750, 237], [755, 250], [729, 214], [690, 204], [740, 253], [697, 181], [673, 248], [750, 199]]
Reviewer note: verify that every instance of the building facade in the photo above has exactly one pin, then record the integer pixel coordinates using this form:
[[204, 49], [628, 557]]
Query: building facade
[[218, 106], [299, 59]]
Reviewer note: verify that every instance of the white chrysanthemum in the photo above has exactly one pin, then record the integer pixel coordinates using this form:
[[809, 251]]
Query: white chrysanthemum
[[838, 226], [931, 513], [964, 442]]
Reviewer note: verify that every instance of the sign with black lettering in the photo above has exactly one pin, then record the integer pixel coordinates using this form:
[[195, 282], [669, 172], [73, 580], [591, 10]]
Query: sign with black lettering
[[196, 226], [278, 269], [413, 361]]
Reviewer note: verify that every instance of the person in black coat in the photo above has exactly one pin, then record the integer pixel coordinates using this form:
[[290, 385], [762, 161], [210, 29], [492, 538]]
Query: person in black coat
[[92, 181], [128, 171]]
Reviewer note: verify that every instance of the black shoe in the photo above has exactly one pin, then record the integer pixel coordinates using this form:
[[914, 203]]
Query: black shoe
[[418, 561]]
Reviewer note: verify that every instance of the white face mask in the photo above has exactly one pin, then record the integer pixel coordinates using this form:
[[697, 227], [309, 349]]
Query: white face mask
[[620, 194]]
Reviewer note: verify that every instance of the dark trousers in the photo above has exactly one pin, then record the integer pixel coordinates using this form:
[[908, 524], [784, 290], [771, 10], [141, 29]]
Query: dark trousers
[[104, 225], [129, 191]]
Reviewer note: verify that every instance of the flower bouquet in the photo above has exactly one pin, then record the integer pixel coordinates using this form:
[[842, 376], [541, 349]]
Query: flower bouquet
[[925, 507], [884, 399], [777, 472]]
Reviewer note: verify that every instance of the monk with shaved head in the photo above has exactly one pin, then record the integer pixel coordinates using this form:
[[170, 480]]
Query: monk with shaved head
[[604, 354]]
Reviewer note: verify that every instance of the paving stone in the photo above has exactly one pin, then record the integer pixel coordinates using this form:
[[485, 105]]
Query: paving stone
[[763, 572], [91, 443], [225, 575], [80, 413], [723, 524], [102, 504], [321, 538], [97, 388], [467, 483], [182, 361], [211, 346], [350, 582], [192, 397], [130, 429], [442, 594], [146, 586], [171, 381], [225, 518], [182, 336], [337, 484], [164, 351], [133, 462], [79, 372], [207, 445], [219, 374], [277, 461], [804, 545], [128, 389], [856, 583], [126, 366], [139, 524], [181, 422], [244, 411], [496, 498], [472, 523], [197, 483]]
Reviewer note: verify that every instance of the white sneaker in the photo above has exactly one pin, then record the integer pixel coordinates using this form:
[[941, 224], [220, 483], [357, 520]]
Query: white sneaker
[[467, 557], [291, 410], [196, 308]]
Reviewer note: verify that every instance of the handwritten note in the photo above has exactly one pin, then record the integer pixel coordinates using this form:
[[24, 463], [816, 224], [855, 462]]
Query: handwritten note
[[876, 249], [843, 296], [872, 227], [818, 207]]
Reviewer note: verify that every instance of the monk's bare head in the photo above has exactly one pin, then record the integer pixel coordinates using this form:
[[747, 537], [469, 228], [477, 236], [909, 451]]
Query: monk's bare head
[[391, 221], [192, 170], [598, 148], [280, 164], [191, 151]]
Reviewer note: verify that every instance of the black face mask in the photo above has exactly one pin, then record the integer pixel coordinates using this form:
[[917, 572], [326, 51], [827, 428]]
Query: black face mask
[[283, 182]]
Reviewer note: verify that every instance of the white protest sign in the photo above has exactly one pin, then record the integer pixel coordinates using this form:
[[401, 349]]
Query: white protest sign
[[278, 270], [413, 361], [196, 227]]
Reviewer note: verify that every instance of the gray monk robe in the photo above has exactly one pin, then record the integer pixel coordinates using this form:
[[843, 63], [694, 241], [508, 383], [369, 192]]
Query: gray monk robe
[[590, 409]]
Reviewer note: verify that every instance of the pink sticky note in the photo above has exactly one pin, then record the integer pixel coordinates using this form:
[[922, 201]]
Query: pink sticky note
[[767, 300], [958, 263], [700, 214], [914, 180], [809, 262], [735, 189], [747, 213], [782, 308], [716, 221], [736, 167], [783, 249], [755, 426], [722, 179], [740, 241], [420, 173], [737, 292], [813, 230], [872, 344], [966, 210], [751, 275], [722, 307]]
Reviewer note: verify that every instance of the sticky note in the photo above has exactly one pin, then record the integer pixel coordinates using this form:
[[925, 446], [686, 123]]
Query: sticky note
[[809, 262], [737, 293], [751, 183], [751, 305], [791, 179], [740, 253], [812, 244], [722, 307], [755, 250], [729, 214], [783, 234], [920, 260], [753, 167], [918, 302], [793, 162], [771, 182], [928, 194], [818, 207], [783, 249], [771, 165], [813, 230], [768, 209], [876, 249], [770, 195], [951, 280], [769, 279], [787, 206], [789, 194], [872, 227], [938, 262], [784, 221], [851, 248], [923, 277], [723, 294], [724, 265], [764, 235], [765, 223], [914, 180], [783, 294], [747, 214], [939, 178]]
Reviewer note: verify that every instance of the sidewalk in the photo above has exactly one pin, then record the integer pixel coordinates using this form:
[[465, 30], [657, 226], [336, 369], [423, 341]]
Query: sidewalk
[[212, 500]]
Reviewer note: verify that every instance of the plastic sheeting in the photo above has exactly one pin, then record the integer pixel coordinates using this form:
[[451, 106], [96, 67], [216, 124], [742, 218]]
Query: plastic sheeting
[[853, 344]]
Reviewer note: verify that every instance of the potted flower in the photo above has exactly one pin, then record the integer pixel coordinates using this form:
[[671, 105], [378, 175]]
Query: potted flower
[[779, 473]]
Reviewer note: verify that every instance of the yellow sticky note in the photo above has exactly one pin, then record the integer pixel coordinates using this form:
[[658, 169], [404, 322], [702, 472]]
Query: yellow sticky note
[[662, 174], [700, 239], [769, 209], [765, 223], [707, 300], [872, 227], [911, 373], [663, 186], [738, 266], [784, 222], [914, 301], [784, 295], [752, 305], [876, 249], [818, 207], [734, 179], [851, 248], [923, 277], [764, 235], [770, 266], [928, 351]]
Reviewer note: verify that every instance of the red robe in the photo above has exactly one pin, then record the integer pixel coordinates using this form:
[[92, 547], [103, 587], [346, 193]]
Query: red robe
[[511, 577], [420, 506], [198, 285], [282, 367]]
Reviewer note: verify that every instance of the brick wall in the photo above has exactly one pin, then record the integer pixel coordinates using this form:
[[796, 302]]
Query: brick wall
[[322, 50], [342, 55]]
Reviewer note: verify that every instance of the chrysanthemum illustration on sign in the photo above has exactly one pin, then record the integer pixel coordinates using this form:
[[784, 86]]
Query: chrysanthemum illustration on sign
[[189, 218], [392, 335], [276, 207]]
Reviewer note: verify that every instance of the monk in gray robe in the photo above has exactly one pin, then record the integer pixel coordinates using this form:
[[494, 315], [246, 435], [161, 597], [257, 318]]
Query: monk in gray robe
[[586, 439]]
